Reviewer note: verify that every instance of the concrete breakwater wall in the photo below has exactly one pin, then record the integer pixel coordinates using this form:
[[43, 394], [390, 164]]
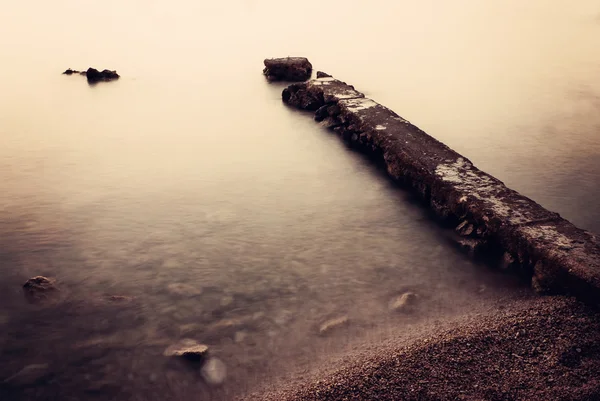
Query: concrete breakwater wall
[[489, 217]]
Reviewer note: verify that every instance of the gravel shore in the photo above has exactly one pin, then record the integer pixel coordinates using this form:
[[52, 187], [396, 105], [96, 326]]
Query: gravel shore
[[537, 349]]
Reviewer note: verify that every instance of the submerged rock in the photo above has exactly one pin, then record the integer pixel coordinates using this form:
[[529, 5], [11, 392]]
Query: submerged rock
[[239, 336], [39, 288], [288, 69], [403, 302], [188, 349], [214, 371], [71, 72], [226, 300], [333, 324], [321, 74], [29, 375], [184, 289], [119, 298]]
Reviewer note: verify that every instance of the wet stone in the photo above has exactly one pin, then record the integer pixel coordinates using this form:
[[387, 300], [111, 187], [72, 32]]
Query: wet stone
[[214, 371], [291, 69], [403, 303], [332, 324], [94, 76], [187, 348], [39, 288]]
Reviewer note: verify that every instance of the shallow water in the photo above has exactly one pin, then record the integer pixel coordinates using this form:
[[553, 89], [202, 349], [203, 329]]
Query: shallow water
[[233, 220]]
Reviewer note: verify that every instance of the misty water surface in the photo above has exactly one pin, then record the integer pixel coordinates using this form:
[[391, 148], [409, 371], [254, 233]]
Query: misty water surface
[[238, 222]]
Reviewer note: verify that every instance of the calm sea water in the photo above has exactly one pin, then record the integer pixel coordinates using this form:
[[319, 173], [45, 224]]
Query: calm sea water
[[235, 221]]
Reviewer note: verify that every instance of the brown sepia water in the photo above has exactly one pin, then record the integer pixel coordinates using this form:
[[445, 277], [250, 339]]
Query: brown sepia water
[[225, 217]]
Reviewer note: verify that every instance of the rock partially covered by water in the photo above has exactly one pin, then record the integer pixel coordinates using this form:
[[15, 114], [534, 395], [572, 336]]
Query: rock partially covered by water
[[292, 69], [71, 72], [93, 75], [404, 302], [188, 349], [39, 288]]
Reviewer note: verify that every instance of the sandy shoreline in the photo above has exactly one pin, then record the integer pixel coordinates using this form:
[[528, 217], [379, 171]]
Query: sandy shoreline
[[539, 349]]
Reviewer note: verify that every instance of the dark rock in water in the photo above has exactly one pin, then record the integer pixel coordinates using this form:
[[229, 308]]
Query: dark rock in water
[[28, 376], [39, 283], [39, 288], [93, 75], [321, 74], [188, 349], [288, 69]]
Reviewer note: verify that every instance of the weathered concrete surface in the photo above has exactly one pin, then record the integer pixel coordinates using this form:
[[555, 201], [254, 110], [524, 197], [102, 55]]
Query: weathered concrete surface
[[288, 69], [490, 217]]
